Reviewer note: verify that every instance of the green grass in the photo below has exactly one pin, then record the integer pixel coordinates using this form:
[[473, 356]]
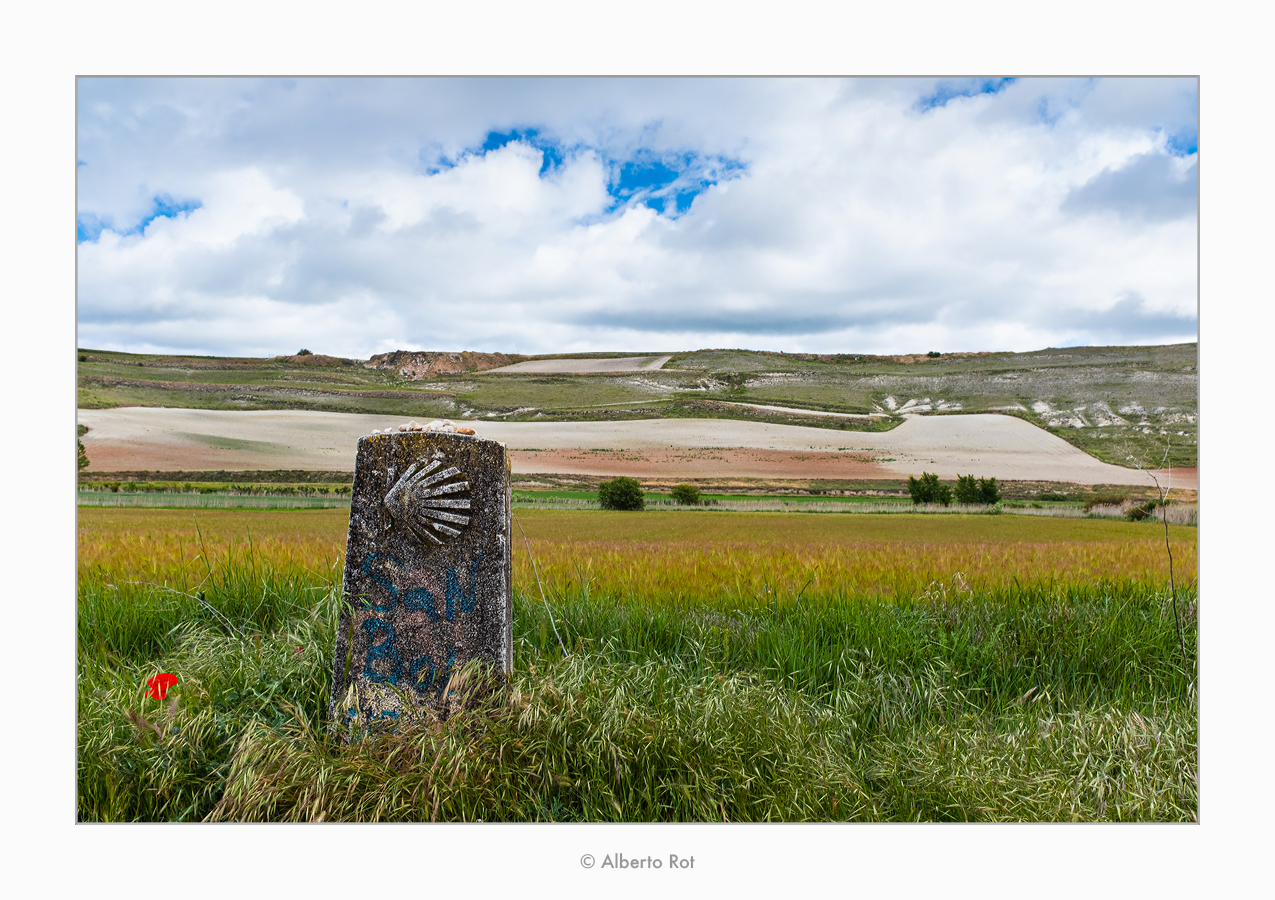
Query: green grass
[[213, 494], [186, 485], [305, 497], [1028, 698], [704, 496], [195, 500], [399, 403]]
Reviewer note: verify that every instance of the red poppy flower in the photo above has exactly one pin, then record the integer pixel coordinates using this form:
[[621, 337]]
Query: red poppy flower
[[159, 685]]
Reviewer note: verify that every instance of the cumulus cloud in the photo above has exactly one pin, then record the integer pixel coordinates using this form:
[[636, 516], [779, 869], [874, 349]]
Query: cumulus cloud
[[526, 215]]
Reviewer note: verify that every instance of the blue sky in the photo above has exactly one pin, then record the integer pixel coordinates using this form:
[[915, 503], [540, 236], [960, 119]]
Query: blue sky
[[354, 216]]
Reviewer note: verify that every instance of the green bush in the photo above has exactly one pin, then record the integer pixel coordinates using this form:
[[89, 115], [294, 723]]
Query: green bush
[[1142, 511], [971, 490], [621, 493], [934, 354], [1104, 500], [687, 494], [928, 489], [81, 457], [1051, 495]]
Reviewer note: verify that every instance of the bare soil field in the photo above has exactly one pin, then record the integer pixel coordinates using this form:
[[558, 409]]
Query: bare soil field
[[583, 366], [701, 462], [1008, 448]]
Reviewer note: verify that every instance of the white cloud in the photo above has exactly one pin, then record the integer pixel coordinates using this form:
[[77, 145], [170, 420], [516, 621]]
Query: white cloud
[[354, 217]]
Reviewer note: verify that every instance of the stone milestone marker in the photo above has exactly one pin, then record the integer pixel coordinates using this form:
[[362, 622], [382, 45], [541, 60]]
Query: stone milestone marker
[[428, 573]]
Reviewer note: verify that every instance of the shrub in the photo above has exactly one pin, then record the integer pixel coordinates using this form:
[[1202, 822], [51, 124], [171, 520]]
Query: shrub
[[687, 494], [1051, 495], [1142, 511], [621, 493], [81, 456], [928, 489], [971, 490], [934, 354], [304, 352], [1104, 500]]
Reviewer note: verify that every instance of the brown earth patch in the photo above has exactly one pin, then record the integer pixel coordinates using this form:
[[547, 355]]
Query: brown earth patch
[[161, 457], [697, 462]]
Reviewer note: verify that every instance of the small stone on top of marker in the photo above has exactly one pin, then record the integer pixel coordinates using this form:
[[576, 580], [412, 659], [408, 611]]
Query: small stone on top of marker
[[446, 426]]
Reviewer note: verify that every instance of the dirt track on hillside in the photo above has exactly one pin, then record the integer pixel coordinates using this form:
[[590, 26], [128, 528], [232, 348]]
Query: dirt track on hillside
[[136, 438], [584, 366]]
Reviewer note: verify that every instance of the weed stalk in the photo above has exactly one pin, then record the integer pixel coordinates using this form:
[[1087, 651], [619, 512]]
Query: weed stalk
[[540, 585]]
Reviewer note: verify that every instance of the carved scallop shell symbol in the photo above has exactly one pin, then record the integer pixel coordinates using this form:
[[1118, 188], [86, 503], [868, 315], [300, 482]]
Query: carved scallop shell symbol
[[418, 501]]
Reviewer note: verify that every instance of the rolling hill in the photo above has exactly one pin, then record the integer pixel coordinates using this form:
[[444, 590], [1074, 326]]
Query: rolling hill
[[1112, 402]]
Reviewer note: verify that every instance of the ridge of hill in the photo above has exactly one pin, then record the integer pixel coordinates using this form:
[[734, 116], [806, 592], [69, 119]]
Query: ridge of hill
[[414, 365], [1112, 402]]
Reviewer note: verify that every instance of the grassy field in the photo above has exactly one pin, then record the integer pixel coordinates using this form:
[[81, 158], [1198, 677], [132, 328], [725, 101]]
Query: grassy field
[[197, 500], [716, 666], [541, 487], [163, 495], [1112, 402]]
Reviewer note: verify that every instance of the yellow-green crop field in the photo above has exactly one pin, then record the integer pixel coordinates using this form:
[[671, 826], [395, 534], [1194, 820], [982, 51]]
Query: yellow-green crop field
[[675, 555]]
